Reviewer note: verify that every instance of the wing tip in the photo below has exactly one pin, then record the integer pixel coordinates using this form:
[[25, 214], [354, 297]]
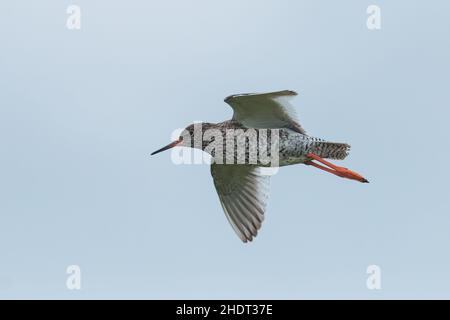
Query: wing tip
[[289, 92], [227, 98], [248, 239], [277, 93]]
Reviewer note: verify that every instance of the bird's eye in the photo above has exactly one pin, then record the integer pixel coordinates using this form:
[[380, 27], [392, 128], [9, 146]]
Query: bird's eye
[[181, 138]]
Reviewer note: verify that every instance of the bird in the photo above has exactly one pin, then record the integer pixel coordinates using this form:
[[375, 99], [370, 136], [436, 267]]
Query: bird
[[243, 188]]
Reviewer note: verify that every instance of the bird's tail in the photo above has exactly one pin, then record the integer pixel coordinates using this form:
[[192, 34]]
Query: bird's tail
[[331, 150]]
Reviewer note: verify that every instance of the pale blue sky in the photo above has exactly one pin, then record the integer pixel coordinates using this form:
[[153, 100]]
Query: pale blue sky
[[80, 112]]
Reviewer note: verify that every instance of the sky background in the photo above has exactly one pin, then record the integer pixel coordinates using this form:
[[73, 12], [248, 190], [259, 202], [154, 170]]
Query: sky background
[[81, 111]]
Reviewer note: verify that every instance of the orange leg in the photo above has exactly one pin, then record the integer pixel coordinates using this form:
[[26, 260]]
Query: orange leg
[[334, 169]]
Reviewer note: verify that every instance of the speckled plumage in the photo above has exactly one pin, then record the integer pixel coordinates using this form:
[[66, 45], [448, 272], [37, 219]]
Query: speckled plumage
[[292, 149]]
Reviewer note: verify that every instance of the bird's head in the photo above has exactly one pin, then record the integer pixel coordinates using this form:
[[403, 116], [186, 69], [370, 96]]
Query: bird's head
[[191, 137]]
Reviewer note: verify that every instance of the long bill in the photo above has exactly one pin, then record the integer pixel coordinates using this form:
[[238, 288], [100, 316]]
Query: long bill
[[170, 145]]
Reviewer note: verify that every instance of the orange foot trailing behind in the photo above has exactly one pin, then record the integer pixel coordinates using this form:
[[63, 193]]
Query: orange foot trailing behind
[[331, 168]]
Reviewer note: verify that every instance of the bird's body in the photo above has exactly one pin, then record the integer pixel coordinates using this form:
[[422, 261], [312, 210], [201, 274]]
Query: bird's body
[[293, 146], [264, 131]]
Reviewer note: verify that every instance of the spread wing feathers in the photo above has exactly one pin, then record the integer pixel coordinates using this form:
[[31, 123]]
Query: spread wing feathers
[[243, 193], [265, 110]]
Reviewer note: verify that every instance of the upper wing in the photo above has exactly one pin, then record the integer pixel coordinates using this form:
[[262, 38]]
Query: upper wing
[[265, 110], [243, 193]]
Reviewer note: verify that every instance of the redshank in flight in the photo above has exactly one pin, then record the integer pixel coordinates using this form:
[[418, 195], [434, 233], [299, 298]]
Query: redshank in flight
[[242, 187]]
